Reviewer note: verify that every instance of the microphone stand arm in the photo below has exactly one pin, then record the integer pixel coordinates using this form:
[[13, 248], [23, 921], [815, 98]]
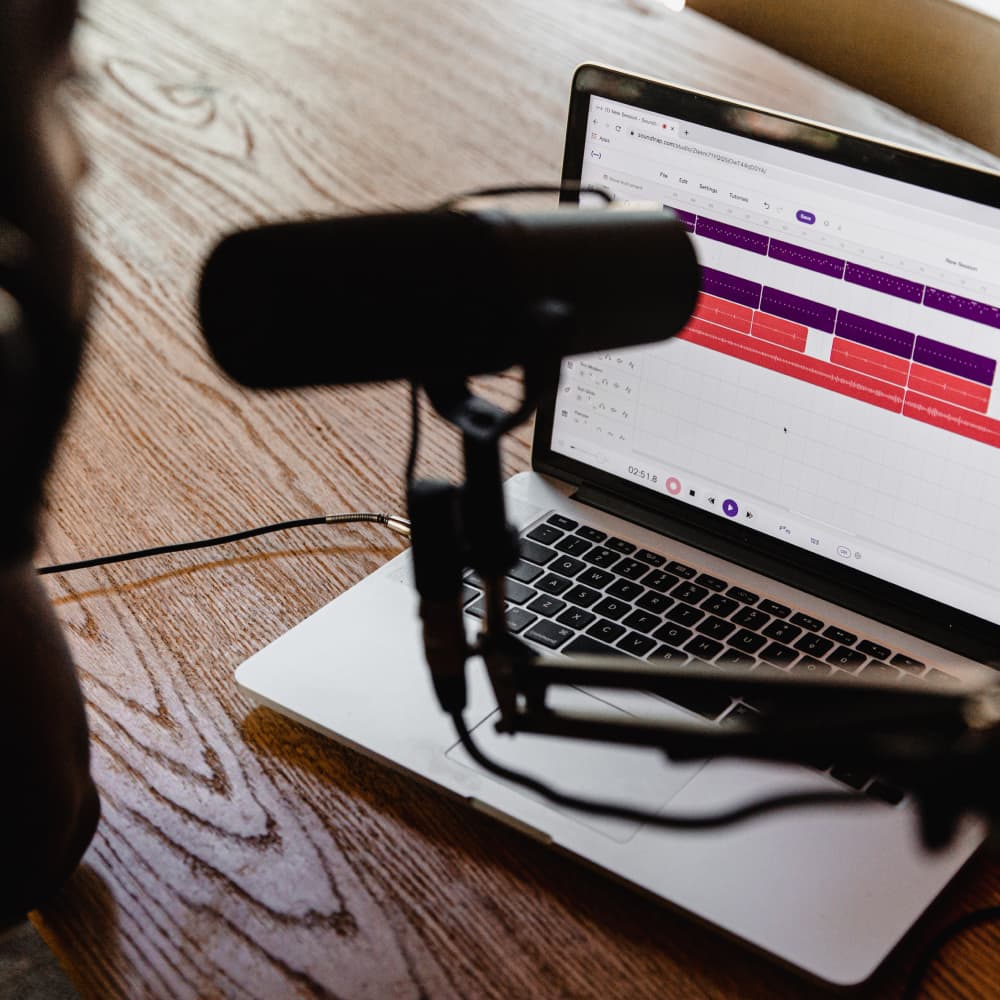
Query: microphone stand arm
[[458, 526], [942, 744]]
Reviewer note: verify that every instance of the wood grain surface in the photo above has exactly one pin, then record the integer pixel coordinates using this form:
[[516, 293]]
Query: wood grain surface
[[240, 855]]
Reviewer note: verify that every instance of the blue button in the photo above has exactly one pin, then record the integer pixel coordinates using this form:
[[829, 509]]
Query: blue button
[[807, 217], [730, 508]]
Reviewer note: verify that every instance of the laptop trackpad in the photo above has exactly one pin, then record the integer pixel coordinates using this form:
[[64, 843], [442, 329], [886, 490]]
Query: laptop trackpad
[[633, 776]]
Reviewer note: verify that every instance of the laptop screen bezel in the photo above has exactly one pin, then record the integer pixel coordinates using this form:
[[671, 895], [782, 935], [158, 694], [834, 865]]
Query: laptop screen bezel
[[894, 605]]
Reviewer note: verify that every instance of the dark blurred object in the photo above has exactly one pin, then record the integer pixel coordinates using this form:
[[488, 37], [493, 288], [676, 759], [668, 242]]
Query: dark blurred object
[[427, 295]]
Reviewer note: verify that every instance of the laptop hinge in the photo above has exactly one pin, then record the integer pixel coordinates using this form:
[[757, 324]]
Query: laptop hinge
[[678, 529]]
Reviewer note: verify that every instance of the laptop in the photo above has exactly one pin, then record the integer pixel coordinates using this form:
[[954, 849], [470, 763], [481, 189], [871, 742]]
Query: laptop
[[807, 479]]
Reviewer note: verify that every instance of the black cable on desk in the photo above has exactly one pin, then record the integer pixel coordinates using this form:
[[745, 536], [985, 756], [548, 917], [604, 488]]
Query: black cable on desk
[[398, 524], [702, 821]]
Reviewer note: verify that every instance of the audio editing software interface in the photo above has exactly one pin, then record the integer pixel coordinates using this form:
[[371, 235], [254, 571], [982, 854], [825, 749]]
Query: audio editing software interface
[[836, 386]]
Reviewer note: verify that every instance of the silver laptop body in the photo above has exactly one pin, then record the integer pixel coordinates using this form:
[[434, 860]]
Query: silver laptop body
[[794, 444]]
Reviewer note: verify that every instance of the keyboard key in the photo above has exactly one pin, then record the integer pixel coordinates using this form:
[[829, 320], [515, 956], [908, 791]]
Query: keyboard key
[[782, 631], [773, 608], [658, 580], [630, 568], [536, 553], [573, 545], [591, 534], [906, 662], [586, 645], [870, 648], [846, 659], [814, 645], [673, 635], [598, 578], [840, 635], [549, 634], [552, 584], [939, 677], [468, 593], [806, 621], [606, 631], [611, 607], [566, 566], [766, 670], [712, 582], [518, 619], [684, 614], [845, 676], [740, 715], [620, 545], [811, 668], [751, 618], [517, 593], [566, 523], [719, 605], [545, 533], [876, 671], [716, 628], [652, 601], [689, 593], [703, 647], [778, 654], [601, 557], [746, 641], [708, 704], [743, 596], [669, 654], [762, 699], [734, 658], [641, 621], [582, 596], [635, 644], [525, 572], [627, 590], [855, 779], [679, 569], [478, 608], [651, 558], [885, 792], [546, 605], [576, 618]]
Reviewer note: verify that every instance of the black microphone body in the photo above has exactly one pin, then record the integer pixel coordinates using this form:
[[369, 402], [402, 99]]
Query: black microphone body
[[435, 294]]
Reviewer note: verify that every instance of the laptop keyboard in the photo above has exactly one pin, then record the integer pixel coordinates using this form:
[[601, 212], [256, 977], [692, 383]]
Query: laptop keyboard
[[578, 590]]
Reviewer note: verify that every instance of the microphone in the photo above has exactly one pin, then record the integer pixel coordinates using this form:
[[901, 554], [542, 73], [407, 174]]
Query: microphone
[[426, 295]]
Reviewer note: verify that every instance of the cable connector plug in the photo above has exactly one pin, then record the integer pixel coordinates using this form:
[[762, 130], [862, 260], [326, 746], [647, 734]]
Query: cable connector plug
[[398, 524]]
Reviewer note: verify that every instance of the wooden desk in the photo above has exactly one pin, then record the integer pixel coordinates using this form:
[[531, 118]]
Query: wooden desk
[[239, 854]]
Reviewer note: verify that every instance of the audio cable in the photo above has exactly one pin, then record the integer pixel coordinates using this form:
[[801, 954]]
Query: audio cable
[[395, 523]]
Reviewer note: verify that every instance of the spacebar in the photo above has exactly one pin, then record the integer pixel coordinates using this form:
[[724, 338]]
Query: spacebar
[[585, 644], [707, 704]]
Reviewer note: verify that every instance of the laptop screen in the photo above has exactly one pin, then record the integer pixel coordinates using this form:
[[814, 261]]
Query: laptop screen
[[836, 388]]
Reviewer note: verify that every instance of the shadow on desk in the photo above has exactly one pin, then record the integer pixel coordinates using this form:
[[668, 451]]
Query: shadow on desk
[[123, 585]]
